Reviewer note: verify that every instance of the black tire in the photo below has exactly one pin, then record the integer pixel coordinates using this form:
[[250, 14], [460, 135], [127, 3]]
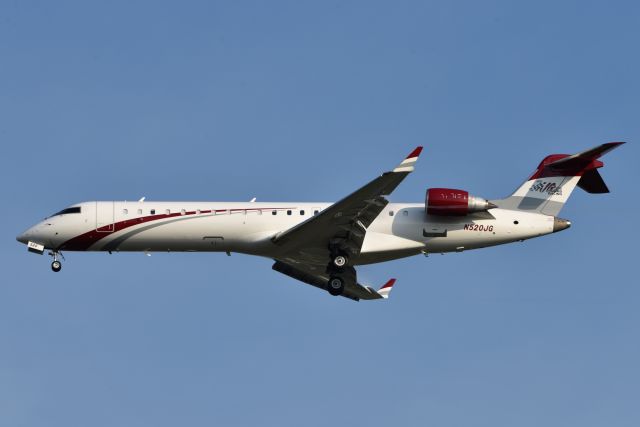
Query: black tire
[[56, 266], [335, 286], [340, 261]]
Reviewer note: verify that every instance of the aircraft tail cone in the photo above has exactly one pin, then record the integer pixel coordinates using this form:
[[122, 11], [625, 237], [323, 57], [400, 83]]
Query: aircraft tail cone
[[560, 224]]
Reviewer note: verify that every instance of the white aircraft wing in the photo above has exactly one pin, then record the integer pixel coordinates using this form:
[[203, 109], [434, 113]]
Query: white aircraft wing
[[345, 222], [342, 226]]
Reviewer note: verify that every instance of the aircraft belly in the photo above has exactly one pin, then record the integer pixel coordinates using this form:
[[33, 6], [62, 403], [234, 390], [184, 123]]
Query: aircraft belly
[[378, 247], [375, 257]]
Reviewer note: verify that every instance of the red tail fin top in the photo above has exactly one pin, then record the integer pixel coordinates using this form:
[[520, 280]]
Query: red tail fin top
[[573, 165]]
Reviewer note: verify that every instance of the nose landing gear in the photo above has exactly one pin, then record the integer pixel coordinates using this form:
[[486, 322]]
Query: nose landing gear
[[56, 265]]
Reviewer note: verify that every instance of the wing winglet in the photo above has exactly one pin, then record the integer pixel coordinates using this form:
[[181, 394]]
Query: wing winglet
[[408, 163], [385, 290]]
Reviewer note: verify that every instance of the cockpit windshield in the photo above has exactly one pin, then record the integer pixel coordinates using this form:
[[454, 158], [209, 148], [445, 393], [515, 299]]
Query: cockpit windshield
[[73, 210]]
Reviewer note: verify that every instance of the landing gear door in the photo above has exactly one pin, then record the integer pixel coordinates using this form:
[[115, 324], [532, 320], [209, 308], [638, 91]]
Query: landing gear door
[[105, 212]]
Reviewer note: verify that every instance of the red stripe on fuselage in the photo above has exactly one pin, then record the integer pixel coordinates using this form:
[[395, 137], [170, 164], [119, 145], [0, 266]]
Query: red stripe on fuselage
[[83, 241]]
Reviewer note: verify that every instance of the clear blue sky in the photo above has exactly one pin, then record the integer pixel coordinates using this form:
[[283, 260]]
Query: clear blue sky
[[307, 101]]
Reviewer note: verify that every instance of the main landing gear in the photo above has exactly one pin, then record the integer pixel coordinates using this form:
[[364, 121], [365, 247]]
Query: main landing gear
[[56, 265], [340, 261], [335, 285], [339, 272]]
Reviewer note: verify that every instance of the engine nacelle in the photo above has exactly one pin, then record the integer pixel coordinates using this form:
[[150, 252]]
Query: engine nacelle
[[452, 202]]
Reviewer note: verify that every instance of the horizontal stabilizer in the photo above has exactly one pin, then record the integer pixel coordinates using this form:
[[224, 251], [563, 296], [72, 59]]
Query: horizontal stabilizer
[[583, 159], [592, 182]]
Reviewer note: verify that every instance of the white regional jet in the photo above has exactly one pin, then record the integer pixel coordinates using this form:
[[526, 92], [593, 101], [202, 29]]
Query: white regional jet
[[321, 243]]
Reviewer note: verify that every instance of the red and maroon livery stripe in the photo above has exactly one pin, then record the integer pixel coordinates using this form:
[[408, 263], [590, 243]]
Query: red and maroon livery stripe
[[83, 241]]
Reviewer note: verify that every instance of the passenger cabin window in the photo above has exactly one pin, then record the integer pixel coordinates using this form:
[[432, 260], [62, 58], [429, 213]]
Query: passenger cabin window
[[315, 212], [390, 213], [153, 211], [274, 212], [288, 212], [301, 212], [73, 210]]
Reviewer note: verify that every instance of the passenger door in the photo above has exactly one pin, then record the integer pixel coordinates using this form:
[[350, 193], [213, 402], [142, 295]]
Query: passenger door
[[105, 216]]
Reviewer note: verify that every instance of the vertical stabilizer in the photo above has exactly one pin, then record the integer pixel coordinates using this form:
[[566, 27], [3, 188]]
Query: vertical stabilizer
[[550, 186]]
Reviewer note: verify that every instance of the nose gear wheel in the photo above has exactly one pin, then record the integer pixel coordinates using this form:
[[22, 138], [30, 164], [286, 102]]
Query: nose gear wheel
[[56, 265]]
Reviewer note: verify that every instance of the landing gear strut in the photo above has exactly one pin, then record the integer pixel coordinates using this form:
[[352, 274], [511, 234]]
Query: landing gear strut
[[55, 265]]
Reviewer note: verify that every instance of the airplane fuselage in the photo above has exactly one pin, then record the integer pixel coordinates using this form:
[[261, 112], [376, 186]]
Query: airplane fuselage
[[401, 229]]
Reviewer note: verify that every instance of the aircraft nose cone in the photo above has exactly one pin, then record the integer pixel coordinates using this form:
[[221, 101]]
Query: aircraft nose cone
[[22, 238], [28, 235]]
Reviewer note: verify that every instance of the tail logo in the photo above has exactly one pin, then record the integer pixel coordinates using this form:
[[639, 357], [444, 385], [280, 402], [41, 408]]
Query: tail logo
[[550, 188]]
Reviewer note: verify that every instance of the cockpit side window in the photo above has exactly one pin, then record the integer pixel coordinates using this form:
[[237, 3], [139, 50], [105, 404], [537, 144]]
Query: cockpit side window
[[73, 210]]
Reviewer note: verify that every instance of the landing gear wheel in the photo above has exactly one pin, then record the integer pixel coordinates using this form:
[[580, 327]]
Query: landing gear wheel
[[56, 266], [340, 261], [335, 285]]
